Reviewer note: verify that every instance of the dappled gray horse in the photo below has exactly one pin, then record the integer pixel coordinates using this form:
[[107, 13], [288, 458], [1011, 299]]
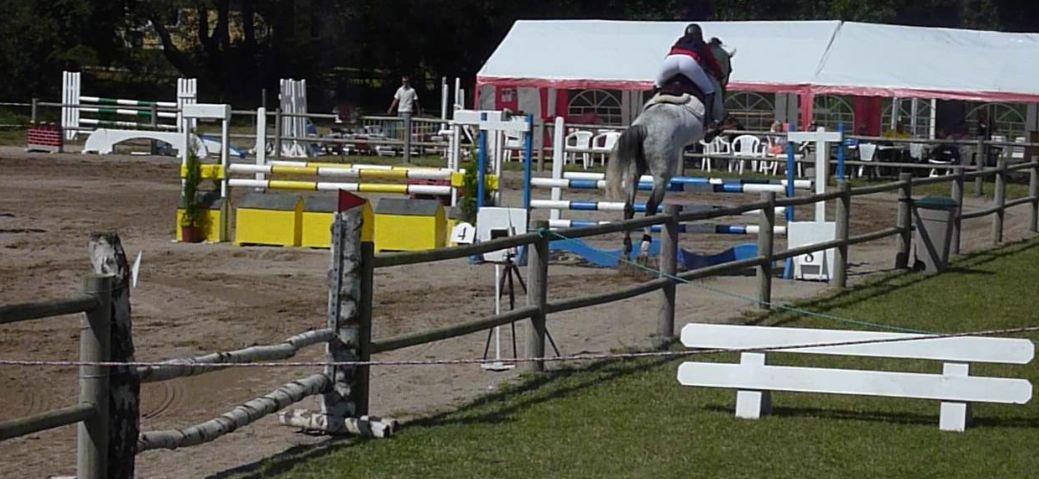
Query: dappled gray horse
[[654, 143]]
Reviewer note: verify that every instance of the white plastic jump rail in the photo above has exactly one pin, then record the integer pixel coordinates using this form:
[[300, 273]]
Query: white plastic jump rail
[[609, 206], [383, 188], [955, 388], [338, 172], [582, 175]]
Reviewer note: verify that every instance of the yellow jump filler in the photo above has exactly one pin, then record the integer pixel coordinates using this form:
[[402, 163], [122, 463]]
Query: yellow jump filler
[[409, 225]]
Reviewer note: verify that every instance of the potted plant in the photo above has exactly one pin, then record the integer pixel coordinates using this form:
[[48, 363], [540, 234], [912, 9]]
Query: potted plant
[[469, 193], [191, 221]]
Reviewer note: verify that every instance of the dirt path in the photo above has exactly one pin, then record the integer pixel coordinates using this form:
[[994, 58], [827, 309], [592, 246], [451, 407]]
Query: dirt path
[[201, 298]]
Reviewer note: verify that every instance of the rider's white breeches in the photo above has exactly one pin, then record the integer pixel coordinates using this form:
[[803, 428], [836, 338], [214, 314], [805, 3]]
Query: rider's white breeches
[[684, 64]]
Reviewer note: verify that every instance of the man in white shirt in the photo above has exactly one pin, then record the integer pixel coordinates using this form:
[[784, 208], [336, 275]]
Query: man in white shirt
[[405, 100]]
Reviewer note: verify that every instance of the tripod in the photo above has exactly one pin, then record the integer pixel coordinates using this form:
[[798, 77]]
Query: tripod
[[506, 273]]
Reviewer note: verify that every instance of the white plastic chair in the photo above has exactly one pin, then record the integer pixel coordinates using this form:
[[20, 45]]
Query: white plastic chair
[[916, 151], [708, 149], [867, 152], [513, 142], [934, 161], [1018, 153], [748, 146], [578, 140], [602, 144]]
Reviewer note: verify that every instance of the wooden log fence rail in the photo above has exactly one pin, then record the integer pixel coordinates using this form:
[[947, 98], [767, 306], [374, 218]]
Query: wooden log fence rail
[[91, 412], [344, 390], [183, 367], [240, 416]]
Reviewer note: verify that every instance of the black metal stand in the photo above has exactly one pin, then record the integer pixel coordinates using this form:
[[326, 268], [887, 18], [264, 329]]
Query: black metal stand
[[507, 283]]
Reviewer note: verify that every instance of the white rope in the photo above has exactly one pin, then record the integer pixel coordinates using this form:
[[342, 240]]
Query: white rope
[[568, 358]]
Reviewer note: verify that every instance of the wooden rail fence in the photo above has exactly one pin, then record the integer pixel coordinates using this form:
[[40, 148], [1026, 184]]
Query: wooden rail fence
[[109, 438]]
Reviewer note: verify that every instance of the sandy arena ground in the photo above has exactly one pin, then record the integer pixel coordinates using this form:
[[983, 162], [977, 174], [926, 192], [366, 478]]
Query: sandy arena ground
[[194, 299]]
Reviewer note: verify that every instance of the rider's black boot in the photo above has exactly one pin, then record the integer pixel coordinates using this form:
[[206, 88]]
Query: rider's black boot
[[708, 117]]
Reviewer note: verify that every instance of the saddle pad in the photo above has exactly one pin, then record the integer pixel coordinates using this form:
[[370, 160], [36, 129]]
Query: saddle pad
[[688, 101]]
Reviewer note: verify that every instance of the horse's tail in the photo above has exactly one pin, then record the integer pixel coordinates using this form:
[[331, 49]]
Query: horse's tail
[[629, 148]]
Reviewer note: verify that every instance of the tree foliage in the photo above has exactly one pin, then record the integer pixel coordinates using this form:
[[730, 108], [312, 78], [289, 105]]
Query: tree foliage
[[238, 47]]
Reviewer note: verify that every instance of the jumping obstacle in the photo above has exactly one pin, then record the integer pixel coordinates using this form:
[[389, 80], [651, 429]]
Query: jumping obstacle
[[155, 120], [597, 182], [402, 224], [561, 180]]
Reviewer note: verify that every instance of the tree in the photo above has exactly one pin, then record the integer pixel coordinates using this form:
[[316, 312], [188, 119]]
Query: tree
[[39, 39]]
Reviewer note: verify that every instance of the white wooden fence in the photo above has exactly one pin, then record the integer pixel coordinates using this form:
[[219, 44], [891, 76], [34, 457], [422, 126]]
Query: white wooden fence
[[954, 387]]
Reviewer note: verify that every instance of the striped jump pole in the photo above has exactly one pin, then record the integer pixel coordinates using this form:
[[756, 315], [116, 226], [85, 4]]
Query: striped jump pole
[[577, 205], [294, 185], [362, 166], [125, 124], [341, 172], [683, 184], [721, 229], [798, 184], [126, 102]]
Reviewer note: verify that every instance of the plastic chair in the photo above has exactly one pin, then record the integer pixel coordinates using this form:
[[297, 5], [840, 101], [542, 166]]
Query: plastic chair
[[1018, 153], [746, 146], [943, 155], [578, 140], [513, 142], [603, 143], [916, 151], [867, 152]]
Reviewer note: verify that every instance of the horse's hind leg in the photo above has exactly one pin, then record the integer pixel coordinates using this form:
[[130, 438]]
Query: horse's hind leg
[[656, 197], [635, 172]]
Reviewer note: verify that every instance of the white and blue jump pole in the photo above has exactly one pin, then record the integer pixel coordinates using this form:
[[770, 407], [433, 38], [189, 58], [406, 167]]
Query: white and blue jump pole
[[528, 154], [791, 174]]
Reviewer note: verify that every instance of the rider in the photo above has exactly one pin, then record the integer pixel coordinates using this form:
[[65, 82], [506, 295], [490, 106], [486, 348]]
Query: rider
[[690, 56]]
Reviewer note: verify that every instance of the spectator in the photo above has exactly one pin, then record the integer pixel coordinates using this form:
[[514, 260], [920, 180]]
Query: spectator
[[405, 100], [777, 145]]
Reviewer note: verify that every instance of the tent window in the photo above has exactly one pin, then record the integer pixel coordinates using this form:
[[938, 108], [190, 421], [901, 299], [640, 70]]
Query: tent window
[[905, 116], [755, 112], [831, 111], [1007, 120], [595, 107]]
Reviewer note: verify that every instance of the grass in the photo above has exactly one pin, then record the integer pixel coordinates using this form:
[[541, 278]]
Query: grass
[[632, 419]]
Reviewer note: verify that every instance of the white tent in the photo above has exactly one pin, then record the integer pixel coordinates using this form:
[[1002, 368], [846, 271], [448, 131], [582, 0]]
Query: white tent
[[626, 55], [795, 57], [895, 61]]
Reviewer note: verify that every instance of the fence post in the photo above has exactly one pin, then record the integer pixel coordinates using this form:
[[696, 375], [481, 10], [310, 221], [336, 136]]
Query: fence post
[[277, 134], [537, 296], [980, 157], [668, 269], [957, 196], [999, 199], [905, 204], [155, 126], [32, 114], [539, 141], [108, 257], [1033, 192], [840, 257], [766, 238], [92, 440], [345, 305], [364, 339], [407, 138]]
